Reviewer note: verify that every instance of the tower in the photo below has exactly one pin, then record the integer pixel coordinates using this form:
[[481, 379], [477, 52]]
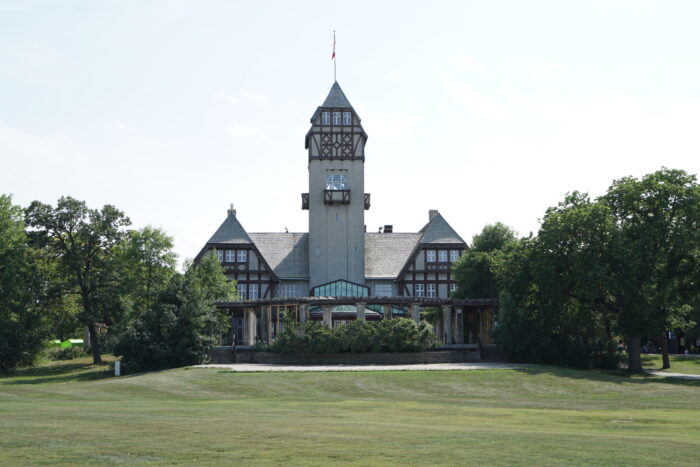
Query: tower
[[336, 199]]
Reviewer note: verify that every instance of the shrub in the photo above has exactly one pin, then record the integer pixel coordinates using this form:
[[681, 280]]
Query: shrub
[[391, 335], [67, 353]]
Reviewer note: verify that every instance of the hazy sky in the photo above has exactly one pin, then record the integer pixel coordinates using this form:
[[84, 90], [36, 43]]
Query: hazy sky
[[487, 111]]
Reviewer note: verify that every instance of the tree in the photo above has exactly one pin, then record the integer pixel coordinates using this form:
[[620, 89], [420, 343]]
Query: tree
[[27, 292], [182, 323], [556, 306], [83, 242], [658, 222], [146, 264], [473, 272]]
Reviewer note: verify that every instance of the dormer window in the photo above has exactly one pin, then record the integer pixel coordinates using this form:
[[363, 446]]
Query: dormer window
[[325, 118], [336, 181], [347, 118], [336, 118]]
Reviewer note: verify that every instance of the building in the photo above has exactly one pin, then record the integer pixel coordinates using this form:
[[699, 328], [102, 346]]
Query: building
[[337, 271]]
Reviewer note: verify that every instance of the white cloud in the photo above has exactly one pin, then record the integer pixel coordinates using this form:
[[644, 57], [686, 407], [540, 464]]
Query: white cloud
[[467, 62], [393, 76], [391, 125], [121, 126], [228, 97], [476, 101], [254, 97], [238, 129]]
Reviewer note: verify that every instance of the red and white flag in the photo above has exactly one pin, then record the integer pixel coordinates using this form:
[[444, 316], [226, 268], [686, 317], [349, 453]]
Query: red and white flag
[[333, 56]]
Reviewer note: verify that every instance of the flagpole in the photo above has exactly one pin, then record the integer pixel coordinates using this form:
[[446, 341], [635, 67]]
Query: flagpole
[[335, 76]]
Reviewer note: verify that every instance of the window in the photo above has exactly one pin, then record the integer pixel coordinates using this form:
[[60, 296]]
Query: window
[[242, 256], [336, 118], [230, 256], [454, 255], [220, 255], [242, 289], [325, 118], [384, 290], [453, 288], [442, 256], [252, 291], [347, 118], [430, 256], [336, 181], [340, 288], [288, 290], [419, 290], [432, 290]]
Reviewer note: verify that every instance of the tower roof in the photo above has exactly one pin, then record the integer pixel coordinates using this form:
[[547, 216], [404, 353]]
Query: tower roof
[[336, 98]]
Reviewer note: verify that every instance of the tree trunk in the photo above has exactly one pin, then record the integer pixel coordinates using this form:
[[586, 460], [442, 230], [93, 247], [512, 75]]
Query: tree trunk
[[634, 351], [96, 357], [664, 351]]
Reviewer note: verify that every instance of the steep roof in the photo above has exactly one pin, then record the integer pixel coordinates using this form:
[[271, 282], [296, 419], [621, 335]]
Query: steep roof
[[437, 230], [230, 231], [387, 253], [286, 253], [336, 98]]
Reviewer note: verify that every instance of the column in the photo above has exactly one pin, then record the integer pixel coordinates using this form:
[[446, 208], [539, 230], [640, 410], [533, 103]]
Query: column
[[328, 315], [250, 326], [459, 326], [447, 323], [303, 313], [415, 312], [266, 324], [387, 311], [360, 311]]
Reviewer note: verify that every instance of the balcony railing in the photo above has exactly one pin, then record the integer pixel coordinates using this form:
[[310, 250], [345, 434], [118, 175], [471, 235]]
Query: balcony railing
[[336, 196]]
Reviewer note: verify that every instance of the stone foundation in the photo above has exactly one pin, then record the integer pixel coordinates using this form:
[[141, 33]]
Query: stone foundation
[[227, 355]]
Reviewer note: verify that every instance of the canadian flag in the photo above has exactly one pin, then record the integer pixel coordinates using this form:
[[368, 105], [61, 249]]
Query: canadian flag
[[333, 56]]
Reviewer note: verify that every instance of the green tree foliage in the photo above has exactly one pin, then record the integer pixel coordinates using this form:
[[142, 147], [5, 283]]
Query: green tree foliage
[[623, 265], [27, 295], [146, 264], [182, 323], [557, 308], [658, 222], [83, 242], [474, 271], [389, 335]]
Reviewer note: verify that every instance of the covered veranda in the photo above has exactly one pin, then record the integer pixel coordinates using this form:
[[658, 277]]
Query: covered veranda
[[457, 322]]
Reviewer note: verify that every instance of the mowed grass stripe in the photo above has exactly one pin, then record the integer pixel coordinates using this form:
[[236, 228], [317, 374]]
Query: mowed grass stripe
[[541, 415]]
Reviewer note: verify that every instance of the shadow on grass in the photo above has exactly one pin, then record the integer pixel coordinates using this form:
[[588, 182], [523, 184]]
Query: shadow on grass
[[60, 373], [653, 362], [607, 376]]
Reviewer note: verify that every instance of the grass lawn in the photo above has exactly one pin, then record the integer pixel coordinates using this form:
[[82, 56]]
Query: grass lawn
[[689, 364], [74, 413]]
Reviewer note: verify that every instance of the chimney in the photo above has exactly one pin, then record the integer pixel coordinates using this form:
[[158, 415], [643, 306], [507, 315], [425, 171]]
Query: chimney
[[231, 211], [432, 214], [388, 228]]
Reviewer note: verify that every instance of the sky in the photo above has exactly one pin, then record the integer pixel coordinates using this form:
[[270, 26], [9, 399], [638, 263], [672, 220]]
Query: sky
[[487, 111]]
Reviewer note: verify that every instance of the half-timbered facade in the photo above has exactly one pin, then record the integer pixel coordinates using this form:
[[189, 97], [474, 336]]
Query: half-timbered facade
[[337, 259]]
